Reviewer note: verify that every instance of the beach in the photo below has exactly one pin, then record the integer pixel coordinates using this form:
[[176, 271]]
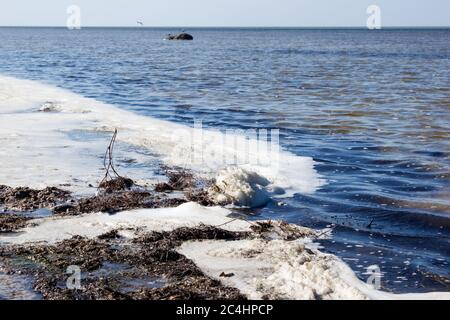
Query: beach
[[248, 163], [164, 234]]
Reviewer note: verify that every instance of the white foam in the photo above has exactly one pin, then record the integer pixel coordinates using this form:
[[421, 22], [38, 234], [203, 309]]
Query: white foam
[[37, 151], [277, 269], [285, 270], [240, 187]]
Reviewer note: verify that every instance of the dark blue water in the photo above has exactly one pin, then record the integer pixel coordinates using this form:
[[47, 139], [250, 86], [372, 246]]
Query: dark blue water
[[371, 107]]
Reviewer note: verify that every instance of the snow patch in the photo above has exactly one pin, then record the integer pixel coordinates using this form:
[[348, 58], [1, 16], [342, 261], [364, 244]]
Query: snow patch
[[37, 148], [240, 187], [54, 229], [292, 270], [276, 269]]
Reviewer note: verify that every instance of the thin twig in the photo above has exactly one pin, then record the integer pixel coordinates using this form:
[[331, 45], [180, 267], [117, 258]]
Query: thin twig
[[109, 154]]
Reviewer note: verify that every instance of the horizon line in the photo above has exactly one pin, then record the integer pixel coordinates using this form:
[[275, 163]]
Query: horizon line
[[225, 27]]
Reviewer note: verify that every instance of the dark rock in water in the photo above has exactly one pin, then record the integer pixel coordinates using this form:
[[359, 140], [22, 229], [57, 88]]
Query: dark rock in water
[[180, 36]]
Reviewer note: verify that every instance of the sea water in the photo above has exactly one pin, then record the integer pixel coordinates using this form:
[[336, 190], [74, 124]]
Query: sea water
[[371, 108]]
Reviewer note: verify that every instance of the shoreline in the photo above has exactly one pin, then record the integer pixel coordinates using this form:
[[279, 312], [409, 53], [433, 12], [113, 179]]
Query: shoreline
[[172, 252], [51, 244], [57, 208]]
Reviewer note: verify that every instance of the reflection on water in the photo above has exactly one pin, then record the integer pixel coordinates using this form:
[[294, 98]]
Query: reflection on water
[[372, 108]]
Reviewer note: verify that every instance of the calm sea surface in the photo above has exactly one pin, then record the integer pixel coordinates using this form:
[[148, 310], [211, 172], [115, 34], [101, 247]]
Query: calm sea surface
[[372, 109]]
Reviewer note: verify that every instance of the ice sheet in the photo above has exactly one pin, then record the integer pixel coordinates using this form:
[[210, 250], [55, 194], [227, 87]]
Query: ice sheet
[[37, 150]]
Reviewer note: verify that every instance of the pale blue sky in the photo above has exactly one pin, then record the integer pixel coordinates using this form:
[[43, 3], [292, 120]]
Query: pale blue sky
[[225, 12]]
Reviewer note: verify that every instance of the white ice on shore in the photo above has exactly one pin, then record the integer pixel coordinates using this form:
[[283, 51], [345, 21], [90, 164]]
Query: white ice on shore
[[54, 229], [36, 149], [277, 268], [288, 270], [274, 269], [240, 187]]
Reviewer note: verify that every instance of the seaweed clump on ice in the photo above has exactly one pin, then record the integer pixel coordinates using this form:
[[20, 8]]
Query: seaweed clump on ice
[[114, 193], [147, 267], [25, 199], [117, 193]]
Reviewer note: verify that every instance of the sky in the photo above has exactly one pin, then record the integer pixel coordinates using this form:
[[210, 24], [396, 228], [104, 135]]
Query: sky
[[189, 13]]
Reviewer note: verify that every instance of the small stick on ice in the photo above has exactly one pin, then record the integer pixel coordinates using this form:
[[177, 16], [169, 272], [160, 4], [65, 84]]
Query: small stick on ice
[[109, 154], [113, 182]]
